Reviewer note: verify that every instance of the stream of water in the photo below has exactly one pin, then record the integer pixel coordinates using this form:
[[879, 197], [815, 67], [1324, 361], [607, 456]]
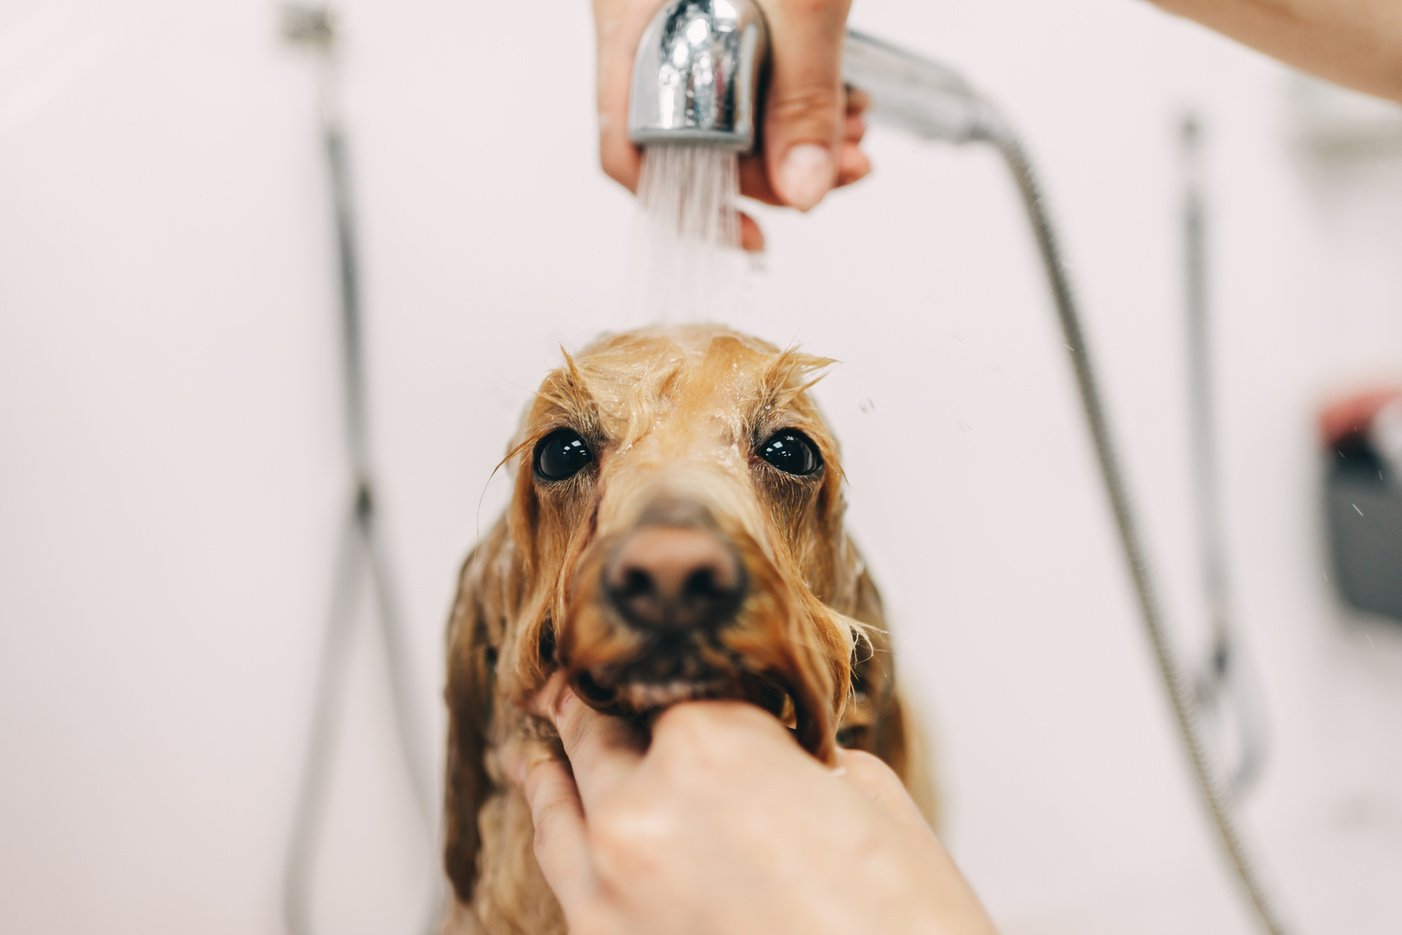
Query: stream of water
[[688, 265]]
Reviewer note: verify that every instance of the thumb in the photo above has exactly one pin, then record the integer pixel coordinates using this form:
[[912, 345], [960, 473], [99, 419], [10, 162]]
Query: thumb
[[804, 117], [879, 784]]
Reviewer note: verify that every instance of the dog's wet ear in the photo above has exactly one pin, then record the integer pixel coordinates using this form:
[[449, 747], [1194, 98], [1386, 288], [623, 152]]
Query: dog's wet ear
[[488, 591]]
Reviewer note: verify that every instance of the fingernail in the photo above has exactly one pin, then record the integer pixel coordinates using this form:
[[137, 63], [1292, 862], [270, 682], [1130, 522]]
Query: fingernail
[[513, 764], [806, 175], [564, 700], [542, 703], [519, 768]]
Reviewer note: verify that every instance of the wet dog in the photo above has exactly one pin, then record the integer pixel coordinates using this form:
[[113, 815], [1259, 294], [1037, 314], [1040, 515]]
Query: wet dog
[[675, 532]]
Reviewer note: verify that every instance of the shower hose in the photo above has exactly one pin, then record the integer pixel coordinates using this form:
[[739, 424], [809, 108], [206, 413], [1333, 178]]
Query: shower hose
[[1214, 789]]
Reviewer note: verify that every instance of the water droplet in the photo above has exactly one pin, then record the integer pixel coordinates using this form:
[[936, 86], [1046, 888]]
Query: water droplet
[[866, 405]]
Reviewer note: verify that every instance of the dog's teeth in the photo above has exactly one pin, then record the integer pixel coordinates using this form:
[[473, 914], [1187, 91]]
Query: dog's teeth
[[648, 696]]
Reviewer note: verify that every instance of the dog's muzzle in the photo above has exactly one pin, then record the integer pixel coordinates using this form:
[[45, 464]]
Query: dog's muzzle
[[658, 614]]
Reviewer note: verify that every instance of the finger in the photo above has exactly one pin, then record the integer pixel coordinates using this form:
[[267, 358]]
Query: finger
[[852, 164], [806, 105], [879, 784], [618, 28], [561, 842], [754, 181], [734, 732], [542, 703], [754, 174], [751, 237], [854, 127], [858, 101], [602, 750]]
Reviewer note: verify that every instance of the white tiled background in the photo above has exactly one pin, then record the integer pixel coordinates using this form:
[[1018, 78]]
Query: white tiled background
[[171, 474]]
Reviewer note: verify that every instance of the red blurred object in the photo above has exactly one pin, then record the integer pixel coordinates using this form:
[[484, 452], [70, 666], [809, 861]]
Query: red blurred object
[[1353, 414]]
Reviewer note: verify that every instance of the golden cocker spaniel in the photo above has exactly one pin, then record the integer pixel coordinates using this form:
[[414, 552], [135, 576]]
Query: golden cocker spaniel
[[676, 532]]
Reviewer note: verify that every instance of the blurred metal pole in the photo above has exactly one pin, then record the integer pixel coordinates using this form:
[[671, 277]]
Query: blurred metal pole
[[361, 549], [1224, 685]]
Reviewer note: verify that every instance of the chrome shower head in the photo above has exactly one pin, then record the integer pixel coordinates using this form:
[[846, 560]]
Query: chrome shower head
[[696, 75]]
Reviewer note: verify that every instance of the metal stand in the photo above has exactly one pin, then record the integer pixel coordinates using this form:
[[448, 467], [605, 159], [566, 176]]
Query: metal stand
[[1227, 692], [361, 548]]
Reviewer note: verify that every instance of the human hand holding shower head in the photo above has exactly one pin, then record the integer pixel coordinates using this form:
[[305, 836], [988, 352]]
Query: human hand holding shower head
[[761, 79]]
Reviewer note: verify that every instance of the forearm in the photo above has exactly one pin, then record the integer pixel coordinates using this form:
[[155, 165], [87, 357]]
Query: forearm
[[1353, 42]]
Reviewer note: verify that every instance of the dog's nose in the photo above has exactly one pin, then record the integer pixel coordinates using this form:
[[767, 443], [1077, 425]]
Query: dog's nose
[[674, 578]]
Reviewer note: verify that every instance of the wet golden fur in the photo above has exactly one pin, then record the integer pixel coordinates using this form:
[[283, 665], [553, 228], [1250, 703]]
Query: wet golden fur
[[672, 415]]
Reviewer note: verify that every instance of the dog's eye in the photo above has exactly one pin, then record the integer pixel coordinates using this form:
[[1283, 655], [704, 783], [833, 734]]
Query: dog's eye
[[561, 454], [791, 451]]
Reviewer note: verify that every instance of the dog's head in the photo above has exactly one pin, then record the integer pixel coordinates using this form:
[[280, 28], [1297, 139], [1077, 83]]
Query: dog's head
[[675, 532], [678, 521]]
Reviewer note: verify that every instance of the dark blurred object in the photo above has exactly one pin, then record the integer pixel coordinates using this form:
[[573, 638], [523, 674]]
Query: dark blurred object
[[309, 22], [1363, 498]]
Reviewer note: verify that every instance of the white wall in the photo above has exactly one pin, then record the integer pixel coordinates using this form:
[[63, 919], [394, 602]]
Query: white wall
[[172, 477]]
